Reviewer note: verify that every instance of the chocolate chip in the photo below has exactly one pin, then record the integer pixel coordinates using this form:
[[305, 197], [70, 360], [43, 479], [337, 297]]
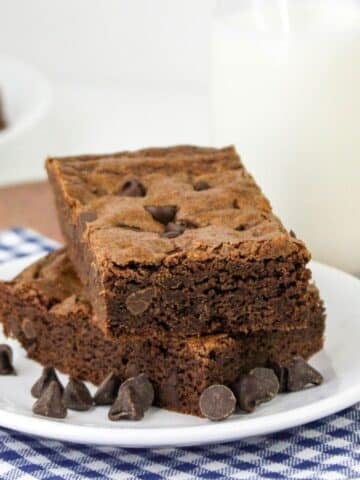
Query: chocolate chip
[[173, 230], [143, 388], [85, 218], [138, 302], [300, 374], [164, 214], [107, 390], [281, 373], [6, 358], [77, 396], [201, 185], [258, 386], [28, 328], [132, 188], [217, 402], [50, 404], [127, 406], [292, 234], [48, 375]]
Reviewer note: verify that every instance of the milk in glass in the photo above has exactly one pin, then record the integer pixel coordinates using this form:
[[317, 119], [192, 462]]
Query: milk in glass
[[286, 92]]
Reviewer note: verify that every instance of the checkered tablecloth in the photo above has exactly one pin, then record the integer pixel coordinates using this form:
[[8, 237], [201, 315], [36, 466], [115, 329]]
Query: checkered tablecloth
[[327, 449]]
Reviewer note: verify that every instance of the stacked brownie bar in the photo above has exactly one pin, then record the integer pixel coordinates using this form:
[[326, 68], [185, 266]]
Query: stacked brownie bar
[[175, 267]]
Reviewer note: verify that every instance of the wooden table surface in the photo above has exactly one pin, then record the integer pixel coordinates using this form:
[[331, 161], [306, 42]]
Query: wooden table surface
[[29, 205]]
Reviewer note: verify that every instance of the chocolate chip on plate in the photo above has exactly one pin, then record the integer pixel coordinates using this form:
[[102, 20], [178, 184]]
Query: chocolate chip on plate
[[300, 374], [281, 372], [77, 396], [28, 328], [173, 230], [163, 214], [50, 403], [138, 302], [217, 402], [201, 185], [48, 375], [132, 188], [127, 406], [258, 386], [143, 388], [6, 359], [107, 390]]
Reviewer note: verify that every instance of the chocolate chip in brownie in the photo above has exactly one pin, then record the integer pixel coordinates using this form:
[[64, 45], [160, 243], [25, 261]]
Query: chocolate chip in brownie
[[28, 329], [217, 402], [138, 302], [86, 217], [77, 396], [48, 375], [258, 386], [107, 390], [133, 188], [300, 374], [173, 230], [163, 214], [6, 359], [143, 388], [127, 406], [50, 403], [201, 185]]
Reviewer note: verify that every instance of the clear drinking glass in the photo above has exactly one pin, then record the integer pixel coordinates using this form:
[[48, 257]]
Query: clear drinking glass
[[286, 92]]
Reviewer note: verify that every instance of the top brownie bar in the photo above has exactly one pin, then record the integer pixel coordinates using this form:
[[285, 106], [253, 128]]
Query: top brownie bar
[[178, 240]]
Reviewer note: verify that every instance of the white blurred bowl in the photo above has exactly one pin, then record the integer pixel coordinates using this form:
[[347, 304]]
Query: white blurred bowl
[[26, 97]]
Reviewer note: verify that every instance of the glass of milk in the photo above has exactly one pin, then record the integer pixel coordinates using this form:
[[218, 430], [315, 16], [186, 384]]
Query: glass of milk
[[286, 92]]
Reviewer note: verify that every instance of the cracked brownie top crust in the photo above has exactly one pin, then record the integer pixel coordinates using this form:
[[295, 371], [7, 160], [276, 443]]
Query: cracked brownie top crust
[[150, 206]]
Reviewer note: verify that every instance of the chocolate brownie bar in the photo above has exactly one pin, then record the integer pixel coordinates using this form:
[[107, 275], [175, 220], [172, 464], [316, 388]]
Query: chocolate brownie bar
[[179, 240], [46, 309]]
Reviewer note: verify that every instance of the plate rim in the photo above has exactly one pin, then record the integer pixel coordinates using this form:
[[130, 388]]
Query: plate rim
[[190, 435]]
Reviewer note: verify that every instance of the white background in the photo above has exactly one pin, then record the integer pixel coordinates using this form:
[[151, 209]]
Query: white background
[[125, 73]]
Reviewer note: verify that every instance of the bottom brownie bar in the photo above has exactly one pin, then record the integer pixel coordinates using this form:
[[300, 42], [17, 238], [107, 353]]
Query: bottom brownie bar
[[45, 309]]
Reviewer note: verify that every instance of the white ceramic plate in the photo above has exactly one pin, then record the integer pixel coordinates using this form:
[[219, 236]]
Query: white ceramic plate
[[339, 363]]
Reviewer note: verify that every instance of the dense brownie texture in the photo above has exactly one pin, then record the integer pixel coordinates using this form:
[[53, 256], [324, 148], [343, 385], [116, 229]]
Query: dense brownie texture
[[45, 308], [213, 259], [2, 116]]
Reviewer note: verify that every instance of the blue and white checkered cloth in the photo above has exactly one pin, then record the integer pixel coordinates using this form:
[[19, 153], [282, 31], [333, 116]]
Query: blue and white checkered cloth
[[328, 449]]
